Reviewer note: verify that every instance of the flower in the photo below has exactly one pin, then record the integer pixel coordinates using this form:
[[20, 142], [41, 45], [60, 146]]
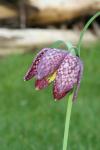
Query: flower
[[59, 66]]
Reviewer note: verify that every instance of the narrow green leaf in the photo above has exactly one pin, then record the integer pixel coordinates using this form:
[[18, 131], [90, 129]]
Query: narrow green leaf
[[59, 44]]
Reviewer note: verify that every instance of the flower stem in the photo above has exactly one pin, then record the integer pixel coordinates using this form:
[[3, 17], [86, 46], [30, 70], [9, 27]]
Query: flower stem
[[67, 122], [84, 30], [69, 106]]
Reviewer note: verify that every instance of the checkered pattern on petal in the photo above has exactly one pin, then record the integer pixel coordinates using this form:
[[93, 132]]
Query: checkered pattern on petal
[[78, 81], [67, 76], [50, 62], [33, 68], [40, 84]]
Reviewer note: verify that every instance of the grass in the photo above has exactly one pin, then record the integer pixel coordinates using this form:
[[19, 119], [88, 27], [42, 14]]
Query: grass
[[32, 120]]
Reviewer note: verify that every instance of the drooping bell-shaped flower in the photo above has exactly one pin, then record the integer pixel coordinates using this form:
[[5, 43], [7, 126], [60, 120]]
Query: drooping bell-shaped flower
[[59, 66]]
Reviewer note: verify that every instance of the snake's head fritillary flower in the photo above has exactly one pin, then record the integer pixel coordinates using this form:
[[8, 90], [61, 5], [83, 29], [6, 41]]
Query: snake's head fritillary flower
[[59, 66]]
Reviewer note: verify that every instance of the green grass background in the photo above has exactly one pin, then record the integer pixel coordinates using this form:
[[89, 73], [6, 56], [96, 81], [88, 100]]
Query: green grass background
[[32, 120]]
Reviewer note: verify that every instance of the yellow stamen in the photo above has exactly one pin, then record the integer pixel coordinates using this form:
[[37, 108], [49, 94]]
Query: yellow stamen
[[52, 77]]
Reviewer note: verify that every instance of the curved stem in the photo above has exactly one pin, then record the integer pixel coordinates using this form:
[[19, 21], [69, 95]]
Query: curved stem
[[84, 30], [69, 106], [67, 122]]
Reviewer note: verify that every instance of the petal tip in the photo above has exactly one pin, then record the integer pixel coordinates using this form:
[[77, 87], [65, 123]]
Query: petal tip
[[55, 99], [24, 79], [36, 88]]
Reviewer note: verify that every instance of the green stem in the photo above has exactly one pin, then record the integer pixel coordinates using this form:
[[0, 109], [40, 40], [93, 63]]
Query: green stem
[[67, 122], [84, 30], [69, 107]]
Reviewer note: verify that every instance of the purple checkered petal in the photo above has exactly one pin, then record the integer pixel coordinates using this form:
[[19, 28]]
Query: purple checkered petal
[[33, 68], [78, 81], [67, 76], [41, 84], [50, 62]]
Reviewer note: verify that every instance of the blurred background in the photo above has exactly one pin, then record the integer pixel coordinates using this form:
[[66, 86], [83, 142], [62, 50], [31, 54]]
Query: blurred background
[[32, 120]]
